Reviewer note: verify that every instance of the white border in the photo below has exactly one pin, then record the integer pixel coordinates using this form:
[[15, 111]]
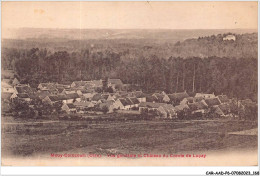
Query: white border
[[9, 170]]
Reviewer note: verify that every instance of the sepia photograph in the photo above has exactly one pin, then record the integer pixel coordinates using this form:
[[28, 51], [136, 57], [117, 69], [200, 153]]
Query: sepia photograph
[[129, 83]]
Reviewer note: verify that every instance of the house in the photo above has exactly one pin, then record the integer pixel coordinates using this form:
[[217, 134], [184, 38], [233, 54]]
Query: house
[[78, 84], [22, 88], [82, 107], [15, 82], [62, 86], [21, 96], [72, 97], [7, 88], [123, 103], [223, 98], [52, 99], [34, 96], [167, 111], [198, 107], [69, 108], [242, 104], [162, 97], [135, 101], [203, 95], [139, 95], [187, 100], [212, 101], [68, 91], [181, 107], [79, 92], [150, 107], [115, 83], [96, 97], [109, 105], [96, 83], [46, 86], [176, 98], [230, 37], [150, 98], [43, 94], [88, 95]]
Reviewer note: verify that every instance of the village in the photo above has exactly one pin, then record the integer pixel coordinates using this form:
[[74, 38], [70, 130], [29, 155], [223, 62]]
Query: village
[[112, 96]]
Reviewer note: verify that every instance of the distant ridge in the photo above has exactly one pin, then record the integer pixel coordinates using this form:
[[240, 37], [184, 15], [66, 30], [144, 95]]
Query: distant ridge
[[84, 34]]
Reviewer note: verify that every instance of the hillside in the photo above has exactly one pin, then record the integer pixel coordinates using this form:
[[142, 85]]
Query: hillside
[[245, 45]]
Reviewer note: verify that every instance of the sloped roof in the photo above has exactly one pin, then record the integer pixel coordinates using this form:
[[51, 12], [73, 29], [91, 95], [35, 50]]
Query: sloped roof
[[72, 96], [97, 97], [48, 85], [79, 83], [97, 83], [223, 98], [23, 95], [212, 101], [129, 102], [62, 97], [197, 99], [23, 89], [105, 96], [43, 94], [125, 101], [138, 94], [134, 100], [33, 95], [169, 109], [71, 106], [190, 99], [203, 94], [5, 85], [178, 96], [107, 104], [159, 96], [54, 98], [202, 104], [151, 105], [83, 104], [181, 107], [150, 98], [197, 105]]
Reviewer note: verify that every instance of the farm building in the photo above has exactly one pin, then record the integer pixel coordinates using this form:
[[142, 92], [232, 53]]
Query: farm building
[[176, 98], [115, 83], [21, 96], [69, 108], [223, 98], [212, 101], [7, 88], [204, 95], [230, 37], [123, 103]]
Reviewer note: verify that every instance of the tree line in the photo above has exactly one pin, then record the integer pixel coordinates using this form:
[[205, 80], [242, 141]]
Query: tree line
[[236, 77]]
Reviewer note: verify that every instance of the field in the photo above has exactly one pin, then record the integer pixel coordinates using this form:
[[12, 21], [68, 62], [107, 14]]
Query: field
[[34, 138]]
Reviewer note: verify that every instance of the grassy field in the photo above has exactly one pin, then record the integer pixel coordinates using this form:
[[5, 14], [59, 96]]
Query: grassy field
[[31, 138]]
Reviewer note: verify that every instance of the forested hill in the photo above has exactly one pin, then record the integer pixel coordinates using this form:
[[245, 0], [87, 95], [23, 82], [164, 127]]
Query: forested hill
[[245, 45], [206, 64]]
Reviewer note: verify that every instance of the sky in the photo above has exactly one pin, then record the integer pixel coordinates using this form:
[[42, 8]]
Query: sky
[[130, 15]]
